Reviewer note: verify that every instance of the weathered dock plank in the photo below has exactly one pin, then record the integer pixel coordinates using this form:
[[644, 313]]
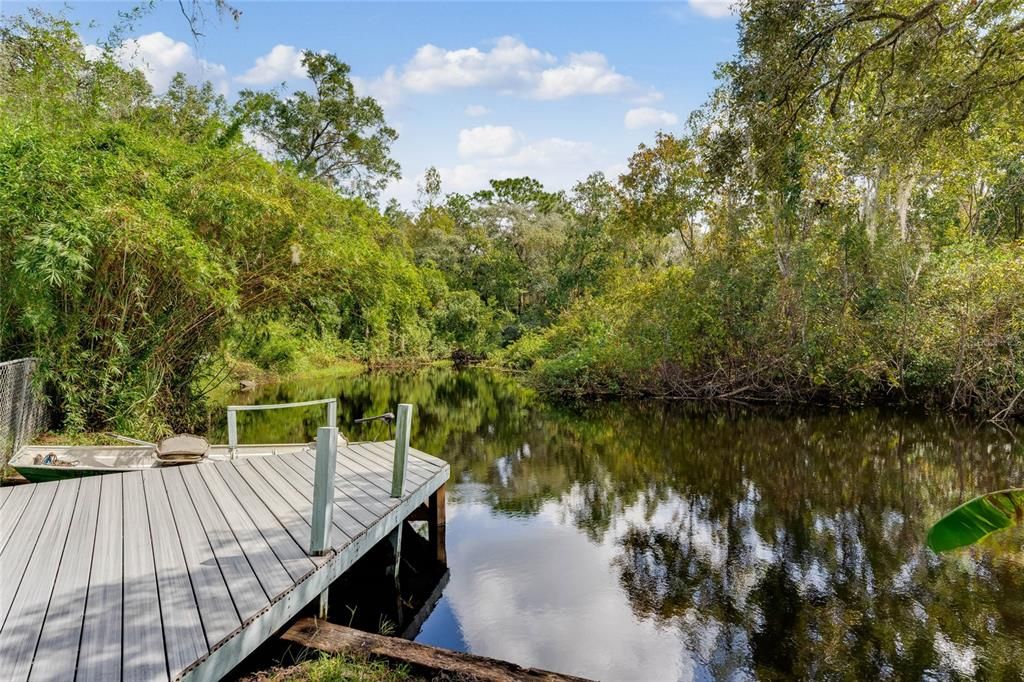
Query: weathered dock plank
[[184, 639], [271, 493], [179, 572], [361, 455], [345, 527], [102, 627], [142, 647], [347, 511], [18, 548], [213, 599], [284, 545], [14, 507], [370, 471], [269, 570], [418, 469], [368, 507], [27, 613], [247, 594], [57, 650]]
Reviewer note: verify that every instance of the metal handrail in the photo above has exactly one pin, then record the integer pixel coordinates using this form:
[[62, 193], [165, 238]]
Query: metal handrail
[[233, 410]]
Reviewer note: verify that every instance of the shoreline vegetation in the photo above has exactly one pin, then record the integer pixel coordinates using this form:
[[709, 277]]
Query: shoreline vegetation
[[344, 668], [839, 223]]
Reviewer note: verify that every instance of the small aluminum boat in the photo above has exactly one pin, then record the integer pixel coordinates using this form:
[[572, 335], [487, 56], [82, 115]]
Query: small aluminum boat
[[39, 463]]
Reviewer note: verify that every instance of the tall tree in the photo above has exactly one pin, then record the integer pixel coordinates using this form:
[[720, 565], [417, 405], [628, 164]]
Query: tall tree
[[331, 133], [663, 191]]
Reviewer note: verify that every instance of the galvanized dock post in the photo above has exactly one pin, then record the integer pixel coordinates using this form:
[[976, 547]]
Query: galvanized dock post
[[403, 430], [323, 497]]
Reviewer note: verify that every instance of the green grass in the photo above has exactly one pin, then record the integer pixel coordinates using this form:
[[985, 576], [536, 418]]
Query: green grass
[[338, 669]]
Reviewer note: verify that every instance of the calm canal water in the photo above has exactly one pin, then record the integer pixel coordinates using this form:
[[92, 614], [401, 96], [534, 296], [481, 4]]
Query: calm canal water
[[657, 541]]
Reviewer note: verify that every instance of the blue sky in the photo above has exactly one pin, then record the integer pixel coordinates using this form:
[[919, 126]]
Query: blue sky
[[478, 89]]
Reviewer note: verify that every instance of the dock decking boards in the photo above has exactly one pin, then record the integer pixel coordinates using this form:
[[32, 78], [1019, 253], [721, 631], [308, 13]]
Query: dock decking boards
[[181, 572]]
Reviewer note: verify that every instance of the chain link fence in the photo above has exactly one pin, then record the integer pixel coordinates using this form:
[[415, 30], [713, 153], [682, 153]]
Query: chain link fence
[[22, 413]]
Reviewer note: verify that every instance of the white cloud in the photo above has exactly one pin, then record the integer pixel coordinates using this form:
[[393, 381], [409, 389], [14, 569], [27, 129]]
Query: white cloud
[[477, 110], [511, 67], [715, 9], [494, 152], [586, 73], [160, 57], [549, 153], [386, 89], [282, 63], [555, 161], [488, 140], [649, 117], [92, 52], [508, 65]]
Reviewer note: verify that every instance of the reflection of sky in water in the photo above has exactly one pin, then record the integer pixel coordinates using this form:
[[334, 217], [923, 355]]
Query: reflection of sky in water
[[536, 591]]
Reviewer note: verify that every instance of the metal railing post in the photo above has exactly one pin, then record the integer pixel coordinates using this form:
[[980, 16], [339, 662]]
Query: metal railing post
[[403, 428], [232, 432], [332, 413], [323, 489]]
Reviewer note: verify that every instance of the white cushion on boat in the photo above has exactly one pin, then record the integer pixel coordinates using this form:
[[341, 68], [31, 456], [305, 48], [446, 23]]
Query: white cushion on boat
[[183, 447]]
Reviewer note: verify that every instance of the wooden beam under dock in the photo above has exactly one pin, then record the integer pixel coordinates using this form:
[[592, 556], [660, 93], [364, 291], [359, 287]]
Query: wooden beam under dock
[[338, 639]]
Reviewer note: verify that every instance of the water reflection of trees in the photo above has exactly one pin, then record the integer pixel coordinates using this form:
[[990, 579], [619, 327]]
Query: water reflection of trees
[[779, 544]]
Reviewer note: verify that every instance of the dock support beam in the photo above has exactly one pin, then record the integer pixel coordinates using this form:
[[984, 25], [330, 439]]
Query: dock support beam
[[323, 490], [325, 598], [395, 543], [436, 526]]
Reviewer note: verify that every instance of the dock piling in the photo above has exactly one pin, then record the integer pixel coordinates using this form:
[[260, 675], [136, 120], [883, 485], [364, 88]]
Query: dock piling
[[436, 525], [323, 489], [395, 544], [403, 429]]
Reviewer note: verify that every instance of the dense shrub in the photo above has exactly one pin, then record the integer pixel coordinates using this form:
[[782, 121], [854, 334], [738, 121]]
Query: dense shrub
[[140, 237]]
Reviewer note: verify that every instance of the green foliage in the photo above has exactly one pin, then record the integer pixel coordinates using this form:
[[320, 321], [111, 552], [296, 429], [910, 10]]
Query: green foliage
[[141, 237], [462, 320], [847, 206], [330, 134], [663, 192], [948, 332], [840, 223], [976, 519]]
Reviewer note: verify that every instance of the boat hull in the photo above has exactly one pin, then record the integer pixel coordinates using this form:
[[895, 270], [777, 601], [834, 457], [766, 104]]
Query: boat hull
[[42, 474]]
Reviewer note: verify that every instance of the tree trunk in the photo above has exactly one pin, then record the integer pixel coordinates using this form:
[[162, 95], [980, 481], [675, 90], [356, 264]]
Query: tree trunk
[[869, 206], [903, 195]]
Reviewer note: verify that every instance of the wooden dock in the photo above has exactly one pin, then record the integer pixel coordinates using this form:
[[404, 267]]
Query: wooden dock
[[181, 572]]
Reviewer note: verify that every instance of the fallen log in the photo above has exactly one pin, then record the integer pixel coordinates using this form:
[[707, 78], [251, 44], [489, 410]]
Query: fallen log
[[329, 638]]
